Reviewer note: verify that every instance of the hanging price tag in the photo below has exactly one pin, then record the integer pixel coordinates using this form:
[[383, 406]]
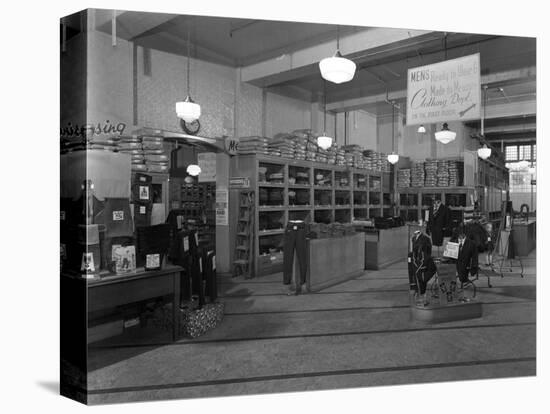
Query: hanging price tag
[[118, 215], [185, 243]]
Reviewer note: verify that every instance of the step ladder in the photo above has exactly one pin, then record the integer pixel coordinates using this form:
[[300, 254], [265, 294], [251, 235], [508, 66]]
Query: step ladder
[[244, 244]]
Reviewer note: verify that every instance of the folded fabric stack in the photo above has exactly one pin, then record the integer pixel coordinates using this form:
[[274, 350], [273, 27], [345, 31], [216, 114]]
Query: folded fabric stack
[[430, 166], [404, 178], [340, 157], [154, 156], [275, 178], [300, 146], [253, 145], [103, 143], [282, 144], [456, 172], [302, 178], [417, 174], [322, 155], [442, 173], [132, 145]]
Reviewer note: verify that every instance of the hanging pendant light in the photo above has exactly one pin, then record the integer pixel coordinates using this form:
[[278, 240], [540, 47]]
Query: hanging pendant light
[[484, 152], [337, 69], [193, 170], [324, 141], [445, 135], [393, 157], [188, 110], [421, 129]]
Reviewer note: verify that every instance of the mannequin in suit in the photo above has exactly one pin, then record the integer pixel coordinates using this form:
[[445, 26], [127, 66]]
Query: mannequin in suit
[[438, 226], [421, 265], [467, 261]]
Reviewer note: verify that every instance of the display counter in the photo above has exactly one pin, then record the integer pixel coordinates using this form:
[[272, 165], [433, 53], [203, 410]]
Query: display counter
[[384, 247], [334, 260], [525, 236]]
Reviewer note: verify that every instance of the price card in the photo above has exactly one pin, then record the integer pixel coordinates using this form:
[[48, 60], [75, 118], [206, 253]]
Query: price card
[[152, 261], [142, 210], [118, 215], [143, 192], [185, 243]]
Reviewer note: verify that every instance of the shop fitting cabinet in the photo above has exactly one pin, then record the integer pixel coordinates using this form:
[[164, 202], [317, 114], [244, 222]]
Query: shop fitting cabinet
[[288, 189], [484, 180]]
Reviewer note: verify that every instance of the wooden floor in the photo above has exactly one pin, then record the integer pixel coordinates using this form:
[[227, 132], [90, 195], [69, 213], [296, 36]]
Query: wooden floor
[[358, 333]]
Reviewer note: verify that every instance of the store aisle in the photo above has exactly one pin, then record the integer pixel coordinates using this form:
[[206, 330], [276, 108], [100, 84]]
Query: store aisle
[[357, 333]]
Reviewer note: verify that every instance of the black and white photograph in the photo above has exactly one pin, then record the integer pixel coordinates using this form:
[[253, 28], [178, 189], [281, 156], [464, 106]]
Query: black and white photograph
[[257, 206]]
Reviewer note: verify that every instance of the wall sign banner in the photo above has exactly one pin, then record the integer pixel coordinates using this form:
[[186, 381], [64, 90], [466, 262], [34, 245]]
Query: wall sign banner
[[207, 162], [445, 91], [222, 205]]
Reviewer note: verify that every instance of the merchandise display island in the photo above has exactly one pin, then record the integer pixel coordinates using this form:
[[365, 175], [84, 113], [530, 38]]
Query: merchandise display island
[[334, 260], [384, 247]]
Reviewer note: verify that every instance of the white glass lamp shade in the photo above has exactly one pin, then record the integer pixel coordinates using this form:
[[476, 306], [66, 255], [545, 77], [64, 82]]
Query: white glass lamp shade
[[337, 69], [421, 129], [324, 142], [523, 164], [193, 169], [445, 135], [484, 152], [188, 110], [393, 158]]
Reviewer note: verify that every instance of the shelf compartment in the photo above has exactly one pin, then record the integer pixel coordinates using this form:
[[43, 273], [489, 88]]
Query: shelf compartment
[[342, 179], [271, 197], [322, 198], [271, 173], [342, 216], [323, 216], [299, 197], [299, 175], [360, 214], [374, 198], [360, 198], [322, 177], [270, 185], [271, 220], [342, 197], [360, 181]]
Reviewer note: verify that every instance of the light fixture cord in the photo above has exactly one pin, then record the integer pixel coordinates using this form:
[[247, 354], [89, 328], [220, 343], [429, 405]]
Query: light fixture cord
[[188, 61], [445, 41], [337, 37], [324, 106], [392, 127]]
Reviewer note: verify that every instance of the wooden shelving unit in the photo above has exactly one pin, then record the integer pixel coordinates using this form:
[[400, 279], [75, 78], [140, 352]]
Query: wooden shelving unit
[[310, 191]]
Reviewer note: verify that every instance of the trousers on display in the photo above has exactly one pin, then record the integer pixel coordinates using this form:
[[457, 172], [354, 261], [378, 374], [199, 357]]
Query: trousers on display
[[294, 242]]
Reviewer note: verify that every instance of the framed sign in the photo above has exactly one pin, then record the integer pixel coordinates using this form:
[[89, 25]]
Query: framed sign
[[445, 91], [222, 205], [239, 182], [207, 162]]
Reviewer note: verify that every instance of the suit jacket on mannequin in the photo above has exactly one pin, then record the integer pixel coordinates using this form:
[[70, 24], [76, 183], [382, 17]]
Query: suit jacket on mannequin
[[438, 224], [422, 264], [467, 261]]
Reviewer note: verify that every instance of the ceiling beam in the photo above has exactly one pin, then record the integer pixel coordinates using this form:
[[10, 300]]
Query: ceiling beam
[[301, 63], [130, 24]]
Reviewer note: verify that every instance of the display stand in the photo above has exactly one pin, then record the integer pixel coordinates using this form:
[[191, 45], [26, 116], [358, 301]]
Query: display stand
[[450, 300]]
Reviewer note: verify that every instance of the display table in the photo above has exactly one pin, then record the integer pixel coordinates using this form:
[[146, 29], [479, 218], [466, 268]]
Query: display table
[[112, 291], [385, 246], [334, 260]]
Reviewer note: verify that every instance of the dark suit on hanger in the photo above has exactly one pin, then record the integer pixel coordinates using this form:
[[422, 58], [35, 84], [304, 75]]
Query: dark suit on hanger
[[439, 221], [467, 261]]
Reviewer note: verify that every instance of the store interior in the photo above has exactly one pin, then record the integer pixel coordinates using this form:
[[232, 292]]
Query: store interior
[[234, 215]]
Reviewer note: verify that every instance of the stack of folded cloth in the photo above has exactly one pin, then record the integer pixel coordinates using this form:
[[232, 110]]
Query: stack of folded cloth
[[282, 144], [275, 178], [253, 145], [302, 178], [417, 174], [430, 166], [456, 171], [321, 156], [404, 178], [103, 143], [442, 174], [300, 147], [132, 145], [154, 156], [340, 157]]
